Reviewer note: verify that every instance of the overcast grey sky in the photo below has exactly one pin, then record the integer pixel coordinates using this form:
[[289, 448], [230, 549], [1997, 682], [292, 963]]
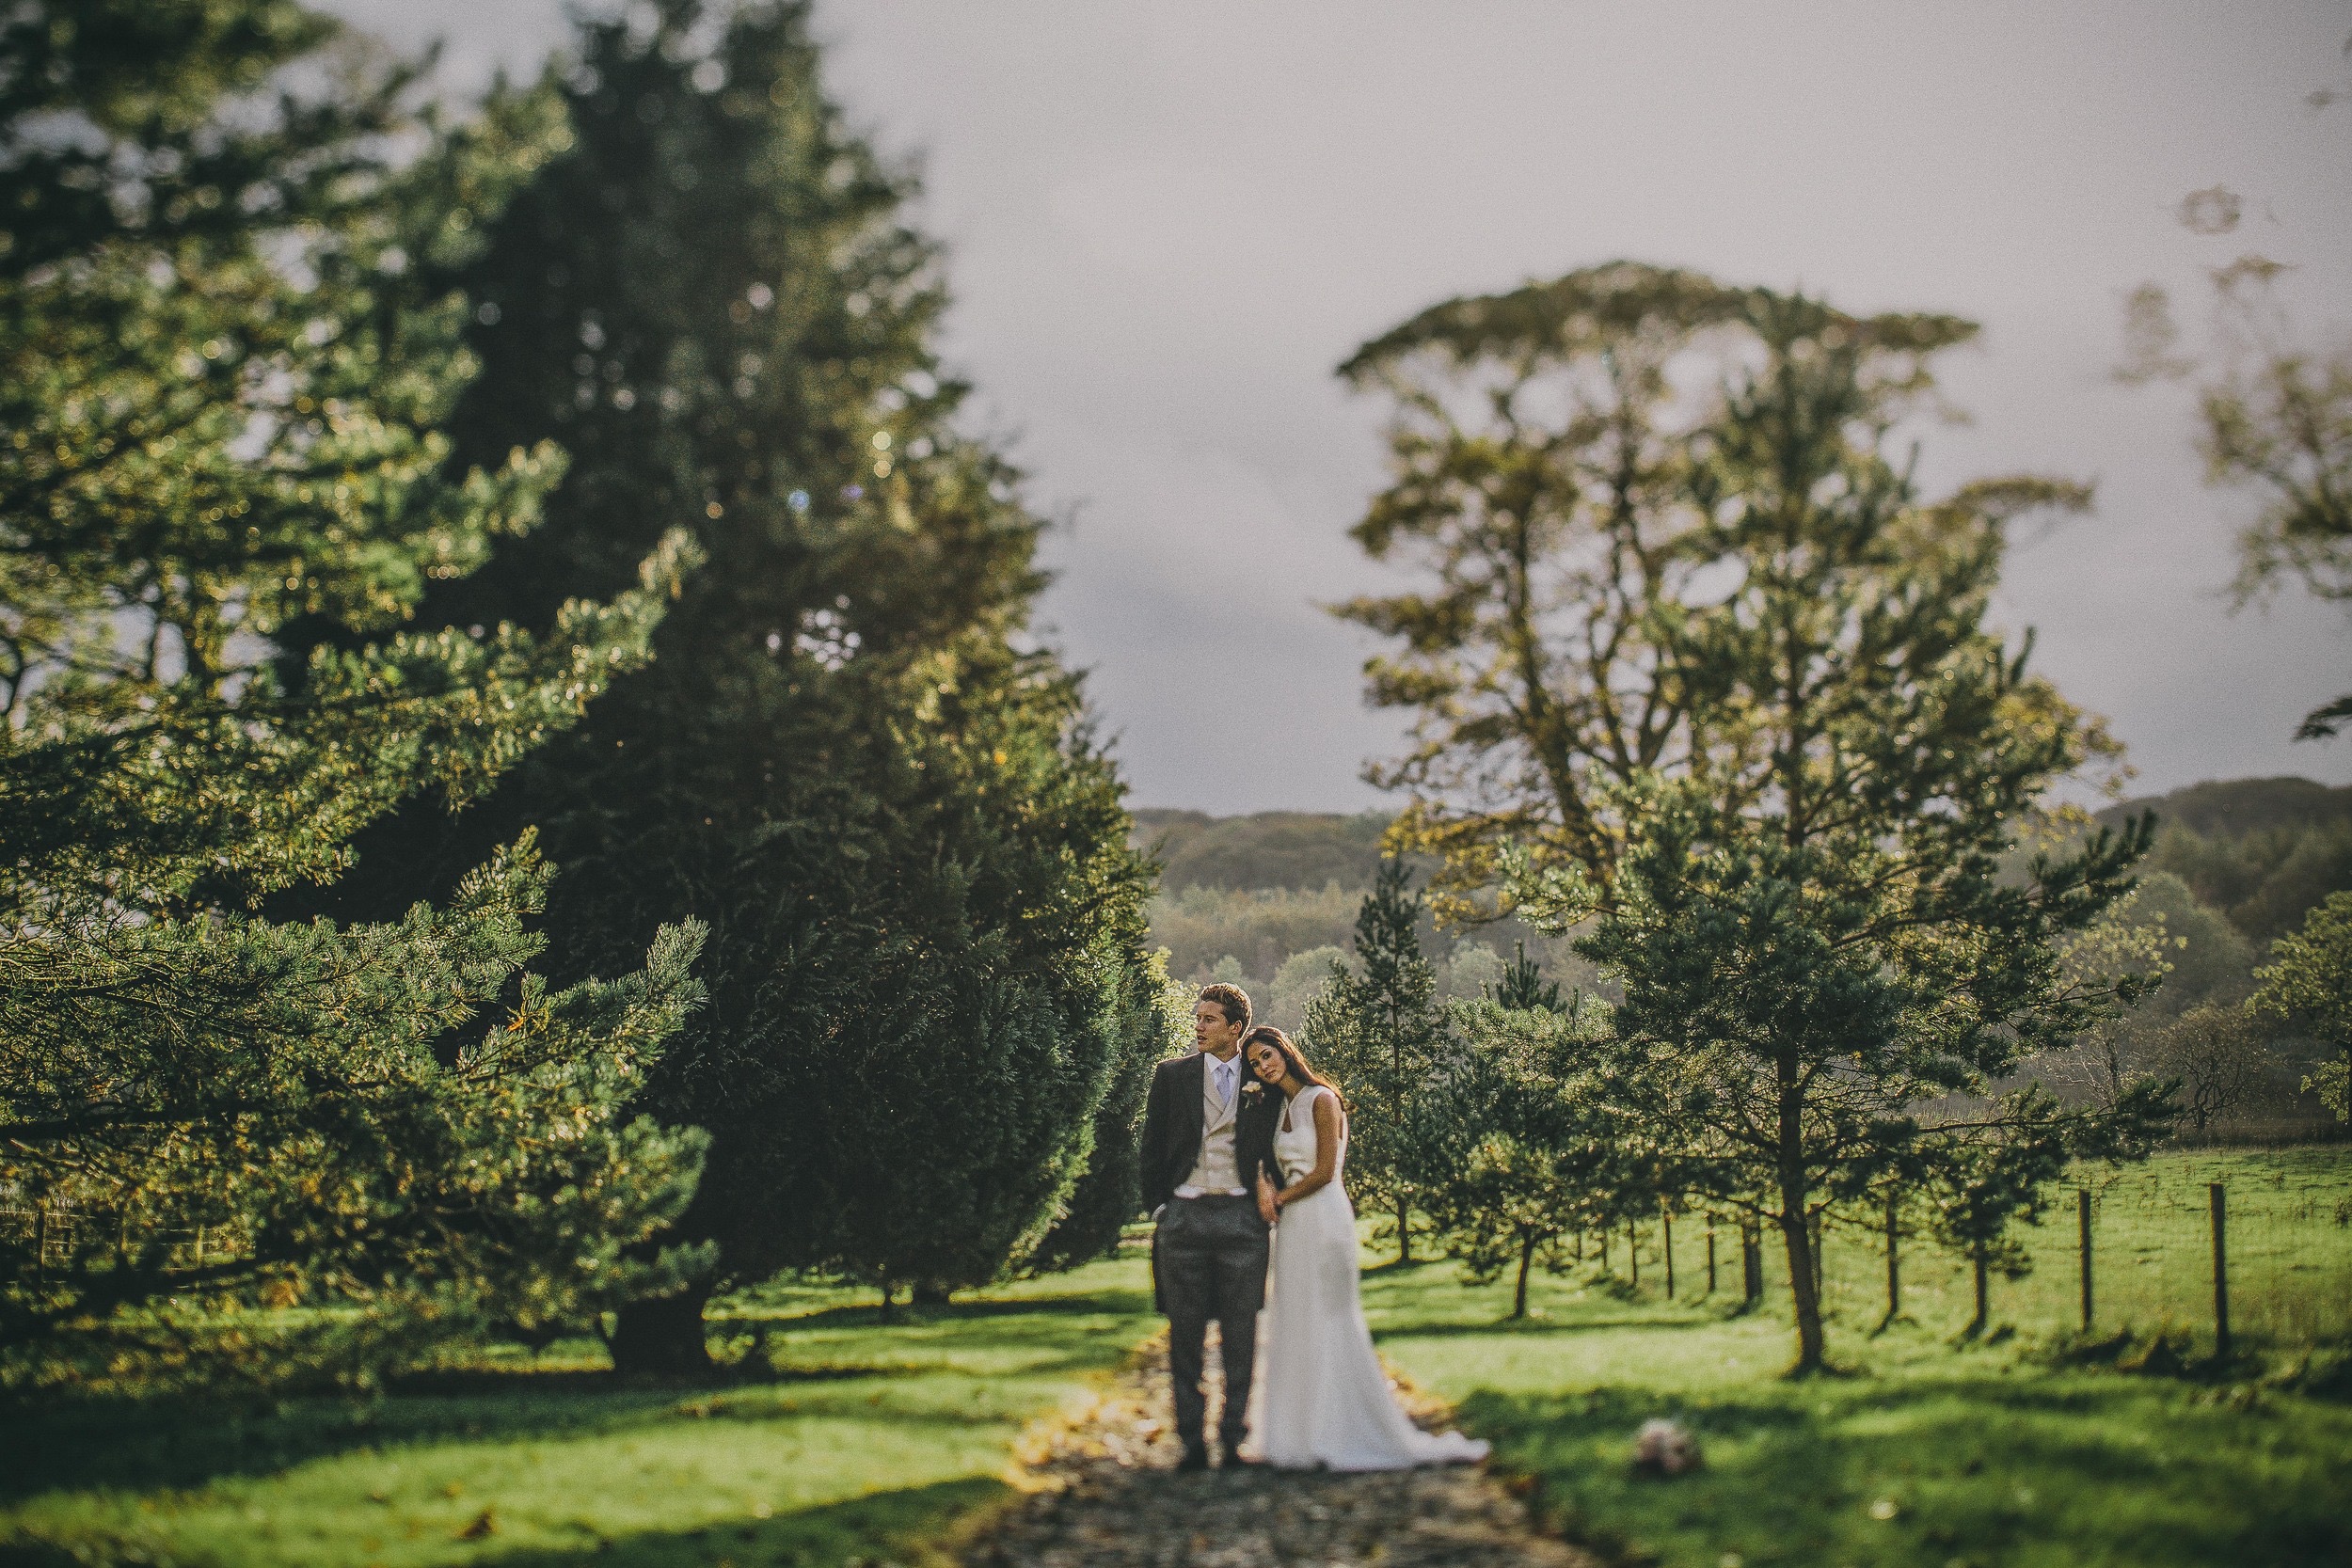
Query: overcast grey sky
[[1168, 223]]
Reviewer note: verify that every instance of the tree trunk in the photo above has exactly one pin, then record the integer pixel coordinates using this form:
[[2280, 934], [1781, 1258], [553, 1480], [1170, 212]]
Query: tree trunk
[[929, 1296], [1985, 1299], [662, 1336], [889, 1310], [1794, 1234], [1527, 1256], [1894, 1264], [1404, 1231], [1794, 1230]]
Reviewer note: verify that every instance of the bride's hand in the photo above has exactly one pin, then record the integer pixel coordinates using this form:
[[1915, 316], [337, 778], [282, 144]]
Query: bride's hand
[[1267, 1208]]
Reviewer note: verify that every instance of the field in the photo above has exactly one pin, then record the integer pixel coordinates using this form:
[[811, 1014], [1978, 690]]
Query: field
[[847, 1439], [2289, 1238]]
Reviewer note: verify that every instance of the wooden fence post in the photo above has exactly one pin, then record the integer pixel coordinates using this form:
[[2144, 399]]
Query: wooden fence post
[[1633, 1254], [1894, 1259], [1711, 1255], [1751, 1261], [1666, 1219], [2082, 1215], [2220, 1273]]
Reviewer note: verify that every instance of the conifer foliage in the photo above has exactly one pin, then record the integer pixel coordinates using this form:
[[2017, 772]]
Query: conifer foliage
[[927, 987], [1383, 1034], [226, 376], [1809, 919], [1543, 1157]]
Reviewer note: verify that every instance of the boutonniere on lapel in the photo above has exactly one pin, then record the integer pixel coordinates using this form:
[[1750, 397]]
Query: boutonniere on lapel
[[1253, 1088]]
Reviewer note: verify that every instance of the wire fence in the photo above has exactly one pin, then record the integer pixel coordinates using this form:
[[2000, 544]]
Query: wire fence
[[53, 1235], [2194, 1245], [2232, 1248]]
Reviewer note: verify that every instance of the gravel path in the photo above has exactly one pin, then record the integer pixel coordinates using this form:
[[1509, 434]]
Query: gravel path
[[1106, 1494]]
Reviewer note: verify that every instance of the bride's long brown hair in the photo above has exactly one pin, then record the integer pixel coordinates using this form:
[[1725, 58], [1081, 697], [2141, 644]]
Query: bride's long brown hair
[[1292, 1057]]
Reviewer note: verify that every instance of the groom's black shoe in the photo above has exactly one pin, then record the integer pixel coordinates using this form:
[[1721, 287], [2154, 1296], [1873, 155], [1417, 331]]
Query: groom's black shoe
[[1234, 1461], [1195, 1459]]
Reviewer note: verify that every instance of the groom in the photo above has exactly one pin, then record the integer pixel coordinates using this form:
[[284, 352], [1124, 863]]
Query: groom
[[1208, 1130]]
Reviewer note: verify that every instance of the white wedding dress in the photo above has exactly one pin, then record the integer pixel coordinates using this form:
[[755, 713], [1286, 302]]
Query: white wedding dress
[[1320, 1398]]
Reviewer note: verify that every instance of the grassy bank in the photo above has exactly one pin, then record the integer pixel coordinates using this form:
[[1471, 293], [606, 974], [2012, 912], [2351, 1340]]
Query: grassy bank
[[844, 1438]]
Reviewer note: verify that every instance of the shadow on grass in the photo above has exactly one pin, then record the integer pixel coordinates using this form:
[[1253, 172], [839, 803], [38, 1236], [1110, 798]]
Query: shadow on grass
[[149, 1444], [1110, 1304], [182, 1443], [906, 1525], [1975, 1469]]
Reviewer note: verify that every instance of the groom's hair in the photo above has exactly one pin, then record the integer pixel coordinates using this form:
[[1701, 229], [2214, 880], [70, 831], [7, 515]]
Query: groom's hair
[[1232, 1000]]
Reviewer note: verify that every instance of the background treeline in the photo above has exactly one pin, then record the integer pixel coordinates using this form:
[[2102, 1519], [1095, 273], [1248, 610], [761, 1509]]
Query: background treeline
[[1270, 899], [448, 553]]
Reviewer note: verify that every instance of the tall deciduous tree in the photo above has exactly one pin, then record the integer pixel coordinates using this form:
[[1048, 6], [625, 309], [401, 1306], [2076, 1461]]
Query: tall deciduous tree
[[226, 389], [2274, 420], [1810, 924], [2307, 983], [1380, 1031], [926, 963], [1540, 439]]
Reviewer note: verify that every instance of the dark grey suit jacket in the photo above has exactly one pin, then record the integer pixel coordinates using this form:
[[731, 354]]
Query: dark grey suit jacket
[[1172, 1123]]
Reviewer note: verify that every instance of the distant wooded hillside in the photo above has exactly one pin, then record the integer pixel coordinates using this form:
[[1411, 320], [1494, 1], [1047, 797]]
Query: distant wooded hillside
[[2232, 808], [1269, 900], [2262, 851], [1266, 849]]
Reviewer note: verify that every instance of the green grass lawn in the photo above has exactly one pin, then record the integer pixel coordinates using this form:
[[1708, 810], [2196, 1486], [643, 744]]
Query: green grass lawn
[[864, 1438], [851, 1439], [1921, 1451]]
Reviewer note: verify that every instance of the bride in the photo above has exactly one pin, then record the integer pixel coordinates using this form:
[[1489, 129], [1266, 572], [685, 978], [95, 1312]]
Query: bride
[[1322, 1398]]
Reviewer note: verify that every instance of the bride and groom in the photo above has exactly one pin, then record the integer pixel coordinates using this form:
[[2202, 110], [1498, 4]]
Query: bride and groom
[[1243, 1147]]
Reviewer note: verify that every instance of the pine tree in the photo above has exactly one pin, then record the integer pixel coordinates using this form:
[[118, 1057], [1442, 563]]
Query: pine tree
[[1381, 1034], [1523, 988], [226, 387], [1544, 1160], [926, 967], [1811, 924], [1988, 1178], [1540, 444]]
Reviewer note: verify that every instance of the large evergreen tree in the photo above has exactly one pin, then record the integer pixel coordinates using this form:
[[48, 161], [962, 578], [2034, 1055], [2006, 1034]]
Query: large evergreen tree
[[225, 381], [926, 963], [1811, 922]]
